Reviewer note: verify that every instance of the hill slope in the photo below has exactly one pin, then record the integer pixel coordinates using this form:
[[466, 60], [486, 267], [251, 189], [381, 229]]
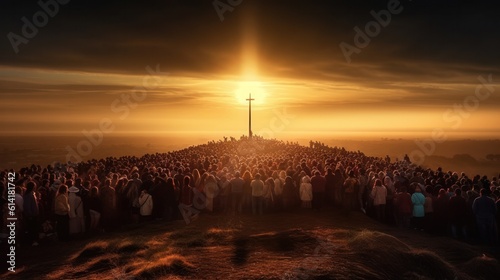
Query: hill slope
[[299, 245]]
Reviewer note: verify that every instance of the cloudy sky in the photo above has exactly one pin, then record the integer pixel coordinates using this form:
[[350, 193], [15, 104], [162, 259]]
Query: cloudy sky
[[87, 61]]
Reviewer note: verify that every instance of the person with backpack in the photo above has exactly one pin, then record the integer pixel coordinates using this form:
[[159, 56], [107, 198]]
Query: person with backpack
[[146, 205]]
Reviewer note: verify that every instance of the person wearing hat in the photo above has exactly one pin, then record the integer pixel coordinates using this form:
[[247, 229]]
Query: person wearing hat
[[76, 217]]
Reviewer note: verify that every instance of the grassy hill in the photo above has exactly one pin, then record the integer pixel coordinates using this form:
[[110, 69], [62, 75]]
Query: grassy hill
[[298, 245]]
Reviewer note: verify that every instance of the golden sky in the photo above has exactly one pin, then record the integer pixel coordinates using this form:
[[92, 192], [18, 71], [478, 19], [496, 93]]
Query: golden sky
[[415, 76]]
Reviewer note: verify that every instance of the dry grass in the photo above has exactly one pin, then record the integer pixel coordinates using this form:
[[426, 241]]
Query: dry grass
[[170, 264], [482, 267], [318, 246], [90, 251], [129, 247], [385, 256]]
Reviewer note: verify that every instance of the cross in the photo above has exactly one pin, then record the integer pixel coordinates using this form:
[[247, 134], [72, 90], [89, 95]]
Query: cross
[[250, 115]]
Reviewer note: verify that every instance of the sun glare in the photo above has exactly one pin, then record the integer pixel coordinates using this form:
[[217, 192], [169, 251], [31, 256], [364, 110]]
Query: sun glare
[[256, 88]]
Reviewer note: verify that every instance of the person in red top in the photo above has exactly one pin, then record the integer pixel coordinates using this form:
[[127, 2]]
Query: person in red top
[[402, 208], [318, 183]]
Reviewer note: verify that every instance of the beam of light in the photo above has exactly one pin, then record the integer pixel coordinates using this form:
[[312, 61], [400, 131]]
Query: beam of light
[[249, 81], [249, 47]]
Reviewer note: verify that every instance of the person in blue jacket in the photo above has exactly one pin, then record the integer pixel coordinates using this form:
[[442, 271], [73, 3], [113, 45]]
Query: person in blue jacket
[[418, 201]]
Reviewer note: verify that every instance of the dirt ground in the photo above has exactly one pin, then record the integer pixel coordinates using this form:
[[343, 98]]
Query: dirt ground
[[303, 244]]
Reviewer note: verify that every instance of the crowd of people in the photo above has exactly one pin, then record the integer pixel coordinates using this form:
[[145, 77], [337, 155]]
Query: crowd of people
[[254, 176]]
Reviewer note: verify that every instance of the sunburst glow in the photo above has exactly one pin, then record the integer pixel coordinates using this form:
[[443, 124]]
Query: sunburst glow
[[256, 88]]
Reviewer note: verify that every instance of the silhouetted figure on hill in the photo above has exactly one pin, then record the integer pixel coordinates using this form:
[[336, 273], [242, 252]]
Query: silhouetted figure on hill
[[338, 188], [330, 186], [379, 194], [187, 194], [403, 208], [429, 219], [350, 189], [318, 183], [363, 192], [236, 186], [61, 210], [288, 193], [257, 195], [247, 191], [31, 213], [171, 204], [76, 213], [485, 210], [278, 190], [159, 196], [108, 199], [441, 212], [407, 158], [269, 196], [458, 211], [95, 209]]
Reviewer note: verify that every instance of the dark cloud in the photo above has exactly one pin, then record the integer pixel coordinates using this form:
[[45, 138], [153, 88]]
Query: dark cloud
[[429, 55], [124, 36]]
